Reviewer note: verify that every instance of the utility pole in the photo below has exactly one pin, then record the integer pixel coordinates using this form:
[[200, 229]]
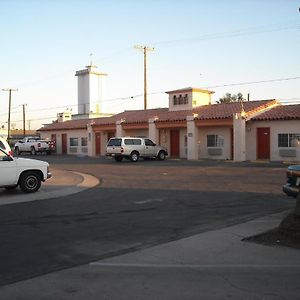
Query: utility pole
[[24, 128], [145, 49], [9, 108]]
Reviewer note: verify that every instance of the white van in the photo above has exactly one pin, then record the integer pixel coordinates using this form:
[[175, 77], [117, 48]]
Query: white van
[[133, 148]]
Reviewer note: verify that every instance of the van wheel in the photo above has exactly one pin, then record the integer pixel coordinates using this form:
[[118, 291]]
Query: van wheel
[[134, 156], [30, 182], [118, 158], [161, 155]]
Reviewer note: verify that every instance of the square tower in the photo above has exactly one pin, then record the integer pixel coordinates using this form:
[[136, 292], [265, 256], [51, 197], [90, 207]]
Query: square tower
[[90, 89], [188, 98]]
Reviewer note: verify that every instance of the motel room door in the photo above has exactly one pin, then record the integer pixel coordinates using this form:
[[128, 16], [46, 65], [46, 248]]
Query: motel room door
[[174, 143], [98, 143], [64, 144], [263, 143]]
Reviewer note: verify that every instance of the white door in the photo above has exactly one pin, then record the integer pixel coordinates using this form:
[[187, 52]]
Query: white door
[[150, 149], [8, 170]]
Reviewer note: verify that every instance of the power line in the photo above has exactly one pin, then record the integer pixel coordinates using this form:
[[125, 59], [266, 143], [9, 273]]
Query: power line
[[230, 34], [254, 82], [130, 98]]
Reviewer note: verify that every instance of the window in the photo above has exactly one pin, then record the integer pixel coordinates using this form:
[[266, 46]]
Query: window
[[214, 140], [180, 99], [114, 142], [73, 142], [288, 139], [186, 99], [132, 142], [175, 100], [149, 143], [83, 141]]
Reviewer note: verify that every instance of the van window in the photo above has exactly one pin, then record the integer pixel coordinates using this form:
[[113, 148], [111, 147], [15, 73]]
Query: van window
[[128, 142], [114, 142], [132, 142], [149, 142], [2, 145], [137, 142]]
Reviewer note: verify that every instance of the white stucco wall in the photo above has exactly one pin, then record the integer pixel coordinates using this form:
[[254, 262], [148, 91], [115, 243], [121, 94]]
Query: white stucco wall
[[276, 127], [70, 134], [83, 91], [200, 99], [183, 143], [136, 133], [202, 142], [164, 138]]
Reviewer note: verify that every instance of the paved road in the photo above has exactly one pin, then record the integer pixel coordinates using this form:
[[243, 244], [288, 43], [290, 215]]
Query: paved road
[[136, 206]]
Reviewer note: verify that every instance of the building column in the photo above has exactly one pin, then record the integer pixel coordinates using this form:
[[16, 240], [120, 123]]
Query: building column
[[91, 141], [153, 132], [192, 139], [239, 138], [119, 128]]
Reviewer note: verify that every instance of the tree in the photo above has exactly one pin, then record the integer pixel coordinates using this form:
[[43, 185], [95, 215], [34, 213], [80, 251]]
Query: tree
[[228, 98]]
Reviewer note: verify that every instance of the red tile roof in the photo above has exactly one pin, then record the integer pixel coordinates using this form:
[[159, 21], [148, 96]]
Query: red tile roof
[[131, 116], [227, 110], [206, 112], [216, 111], [67, 125], [281, 112]]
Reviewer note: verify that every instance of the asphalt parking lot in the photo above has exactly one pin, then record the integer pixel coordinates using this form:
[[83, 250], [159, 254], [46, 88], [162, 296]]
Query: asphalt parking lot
[[135, 207]]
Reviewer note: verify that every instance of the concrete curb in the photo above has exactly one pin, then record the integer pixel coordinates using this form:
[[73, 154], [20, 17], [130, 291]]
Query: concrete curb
[[48, 192]]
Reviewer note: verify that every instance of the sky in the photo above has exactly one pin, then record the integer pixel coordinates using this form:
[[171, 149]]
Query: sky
[[216, 45]]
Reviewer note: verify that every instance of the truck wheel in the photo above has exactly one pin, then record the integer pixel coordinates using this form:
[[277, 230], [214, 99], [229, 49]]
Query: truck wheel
[[161, 155], [17, 151], [32, 151], [134, 156], [30, 182]]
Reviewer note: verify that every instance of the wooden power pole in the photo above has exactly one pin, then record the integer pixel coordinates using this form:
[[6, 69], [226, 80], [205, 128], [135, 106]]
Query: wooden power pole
[[9, 108], [24, 127], [145, 49]]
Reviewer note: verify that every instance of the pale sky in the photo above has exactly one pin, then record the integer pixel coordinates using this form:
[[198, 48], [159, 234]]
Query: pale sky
[[204, 44]]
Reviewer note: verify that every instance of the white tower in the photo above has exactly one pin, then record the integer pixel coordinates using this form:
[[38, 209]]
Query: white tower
[[91, 85]]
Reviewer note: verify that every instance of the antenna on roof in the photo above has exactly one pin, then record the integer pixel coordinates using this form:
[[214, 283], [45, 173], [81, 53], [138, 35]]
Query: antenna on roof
[[91, 59]]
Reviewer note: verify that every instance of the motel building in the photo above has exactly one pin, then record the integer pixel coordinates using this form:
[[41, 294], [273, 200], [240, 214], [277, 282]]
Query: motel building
[[190, 128]]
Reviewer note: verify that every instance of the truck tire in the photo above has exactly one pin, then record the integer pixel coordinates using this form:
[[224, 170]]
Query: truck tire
[[17, 151], [161, 155], [134, 156], [30, 182], [32, 151]]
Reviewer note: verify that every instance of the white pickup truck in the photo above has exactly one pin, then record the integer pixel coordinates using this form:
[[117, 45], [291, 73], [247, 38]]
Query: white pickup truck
[[26, 173], [33, 145]]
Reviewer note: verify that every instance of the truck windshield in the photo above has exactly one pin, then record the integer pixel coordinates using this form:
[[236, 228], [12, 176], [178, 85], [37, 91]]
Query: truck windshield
[[114, 142]]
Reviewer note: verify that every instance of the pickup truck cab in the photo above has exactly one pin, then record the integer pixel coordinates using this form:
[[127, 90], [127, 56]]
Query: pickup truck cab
[[26, 173], [33, 145], [133, 148], [292, 186]]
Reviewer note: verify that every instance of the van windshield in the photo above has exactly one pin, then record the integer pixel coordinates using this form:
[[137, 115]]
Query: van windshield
[[114, 142]]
